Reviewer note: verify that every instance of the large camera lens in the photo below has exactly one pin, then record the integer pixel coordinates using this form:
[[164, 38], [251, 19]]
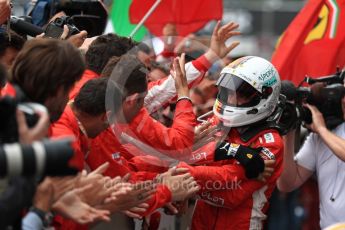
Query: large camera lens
[[41, 158], [55, 162]]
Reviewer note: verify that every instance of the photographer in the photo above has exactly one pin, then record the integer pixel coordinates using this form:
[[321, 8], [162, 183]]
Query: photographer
[[333, 141], [43, 72], [323, 153], [46, 70], [77, 38], [20, 190]]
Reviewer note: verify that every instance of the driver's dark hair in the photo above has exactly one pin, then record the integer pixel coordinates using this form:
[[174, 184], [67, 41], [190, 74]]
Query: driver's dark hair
[[106, 46], [91, 98]]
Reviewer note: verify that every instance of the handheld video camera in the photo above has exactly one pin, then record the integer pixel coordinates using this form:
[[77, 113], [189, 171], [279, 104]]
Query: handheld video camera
[[325, 93], [55, 28]]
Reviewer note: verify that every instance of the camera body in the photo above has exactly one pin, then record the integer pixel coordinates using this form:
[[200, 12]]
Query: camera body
[[8, 118], [325, 93], [89, 15], [327, 98], [55, 28], [8, 124]]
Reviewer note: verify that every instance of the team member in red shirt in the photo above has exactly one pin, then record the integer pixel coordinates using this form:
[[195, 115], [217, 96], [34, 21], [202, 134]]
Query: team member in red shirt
[[86, 117], [98, 54]]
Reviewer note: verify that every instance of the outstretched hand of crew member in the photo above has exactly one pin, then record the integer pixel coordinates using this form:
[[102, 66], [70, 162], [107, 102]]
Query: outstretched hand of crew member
[[129, 197], [218, 48], [71, 205], [179, 74]]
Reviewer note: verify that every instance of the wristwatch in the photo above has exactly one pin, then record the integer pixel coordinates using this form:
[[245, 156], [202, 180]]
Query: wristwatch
[[46, 217]]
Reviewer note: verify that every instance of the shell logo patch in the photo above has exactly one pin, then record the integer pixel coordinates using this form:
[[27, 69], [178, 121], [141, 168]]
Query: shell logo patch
[[249, 156]]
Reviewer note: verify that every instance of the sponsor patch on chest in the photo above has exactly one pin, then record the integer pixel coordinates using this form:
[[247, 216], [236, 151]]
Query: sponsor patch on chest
[[267, 155], [269, 138]]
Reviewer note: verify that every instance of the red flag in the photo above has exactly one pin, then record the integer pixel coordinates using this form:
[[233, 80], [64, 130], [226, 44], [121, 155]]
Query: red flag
[[188, 15], [314, 42]]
